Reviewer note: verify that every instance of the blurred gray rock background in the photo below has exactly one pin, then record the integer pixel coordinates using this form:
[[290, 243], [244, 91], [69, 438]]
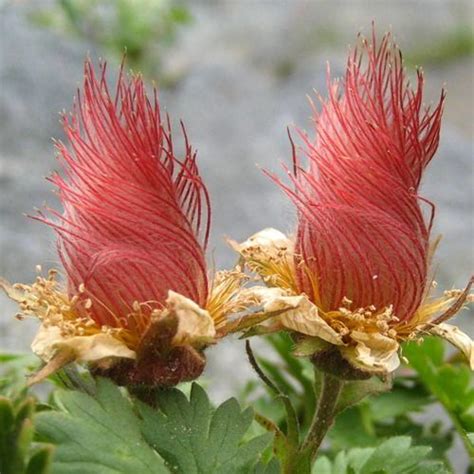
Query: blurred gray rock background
[[241, 72]]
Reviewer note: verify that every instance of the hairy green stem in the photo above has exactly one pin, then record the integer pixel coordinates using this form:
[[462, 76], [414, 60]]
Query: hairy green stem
[[331, 388]]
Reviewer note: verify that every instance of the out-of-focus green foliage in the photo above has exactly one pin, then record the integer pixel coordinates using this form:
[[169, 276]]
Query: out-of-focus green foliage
[[452, 384], [380, 417], [391, 414], [144, 28], [19, 454], [453, 45], [13, 371]]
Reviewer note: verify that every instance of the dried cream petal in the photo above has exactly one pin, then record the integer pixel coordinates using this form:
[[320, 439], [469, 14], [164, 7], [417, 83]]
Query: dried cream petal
[[373, 352], [298, 313], [457, 338], [267, 241], [49, 341], [195, 325]]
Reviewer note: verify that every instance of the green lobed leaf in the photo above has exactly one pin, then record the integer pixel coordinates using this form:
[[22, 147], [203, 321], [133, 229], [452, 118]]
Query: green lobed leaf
[[394, 456], [393, 452], [195, 439], [436, 434], [98, 434]]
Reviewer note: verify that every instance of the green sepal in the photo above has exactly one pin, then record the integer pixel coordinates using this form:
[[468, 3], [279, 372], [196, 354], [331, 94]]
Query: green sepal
[[355, 391], [308, 346]]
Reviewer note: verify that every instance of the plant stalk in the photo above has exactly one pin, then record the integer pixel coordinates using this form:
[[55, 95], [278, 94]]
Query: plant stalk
[[324, 416]]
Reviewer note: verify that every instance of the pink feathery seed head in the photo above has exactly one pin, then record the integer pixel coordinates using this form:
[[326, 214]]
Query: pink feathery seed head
[[362, 233], [135, 219]]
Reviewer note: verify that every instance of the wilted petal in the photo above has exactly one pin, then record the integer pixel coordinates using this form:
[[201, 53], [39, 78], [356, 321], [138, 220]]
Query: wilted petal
[[58, 350], [457, 338], [195, 325], [372, 352], [297, 313], [49, 341], [266, 243]]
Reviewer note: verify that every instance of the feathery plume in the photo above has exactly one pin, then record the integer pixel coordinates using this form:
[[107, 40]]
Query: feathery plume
[[357, 272]]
